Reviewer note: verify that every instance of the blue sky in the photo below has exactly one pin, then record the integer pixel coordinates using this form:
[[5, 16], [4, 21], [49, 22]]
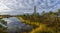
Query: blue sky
[[26, 6]]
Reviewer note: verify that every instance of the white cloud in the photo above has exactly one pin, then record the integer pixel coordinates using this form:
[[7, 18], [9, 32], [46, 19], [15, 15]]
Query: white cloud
[[4, 8], [15, 6]]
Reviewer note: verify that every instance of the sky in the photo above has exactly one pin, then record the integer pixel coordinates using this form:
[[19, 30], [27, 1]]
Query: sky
[[15, 7]]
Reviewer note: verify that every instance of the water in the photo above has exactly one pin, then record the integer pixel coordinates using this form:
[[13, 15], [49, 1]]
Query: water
[[14, 25]]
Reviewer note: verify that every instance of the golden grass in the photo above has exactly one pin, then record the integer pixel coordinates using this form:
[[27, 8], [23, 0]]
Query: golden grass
[[40, 28]]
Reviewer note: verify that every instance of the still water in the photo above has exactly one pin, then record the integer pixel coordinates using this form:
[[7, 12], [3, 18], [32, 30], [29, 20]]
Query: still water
[[14, 25]]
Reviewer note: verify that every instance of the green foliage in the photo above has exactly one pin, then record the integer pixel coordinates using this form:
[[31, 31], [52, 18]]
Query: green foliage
[[50, 19], [3, 29]]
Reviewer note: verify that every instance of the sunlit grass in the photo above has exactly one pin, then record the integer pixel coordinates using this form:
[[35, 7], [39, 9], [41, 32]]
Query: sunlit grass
[[40, 29]]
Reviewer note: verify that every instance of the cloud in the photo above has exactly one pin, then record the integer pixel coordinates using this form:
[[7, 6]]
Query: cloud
[[26, 6], [4, 8]]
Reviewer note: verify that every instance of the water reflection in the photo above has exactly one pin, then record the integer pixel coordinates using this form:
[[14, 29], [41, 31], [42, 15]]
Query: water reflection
[[14, 25]]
